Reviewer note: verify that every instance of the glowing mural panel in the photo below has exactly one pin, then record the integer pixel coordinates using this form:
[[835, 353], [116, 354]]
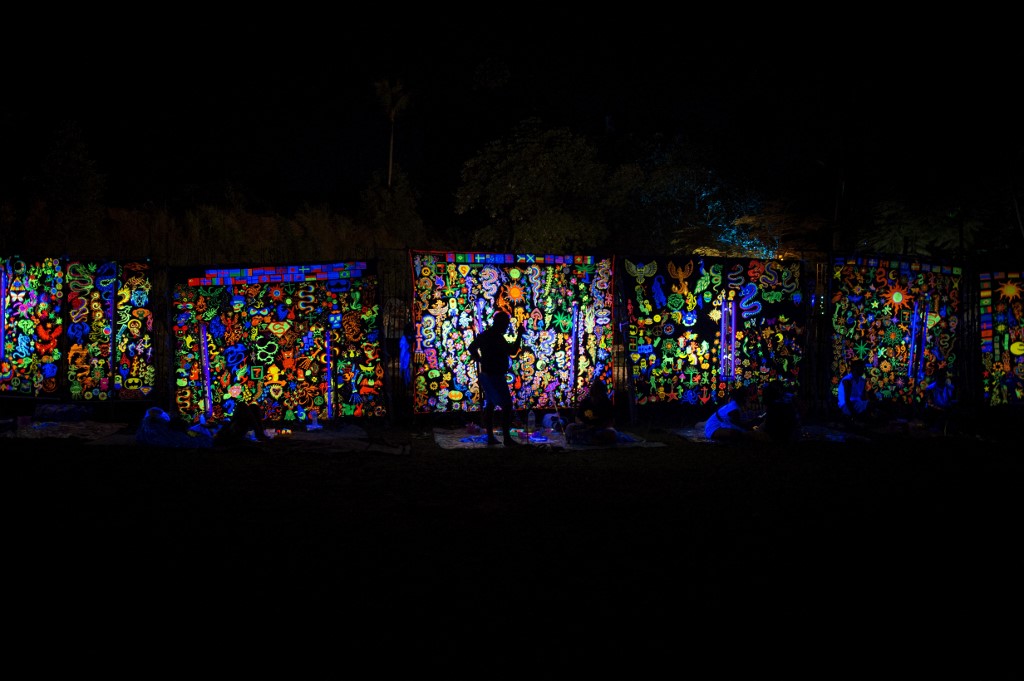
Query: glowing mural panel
[[296, 340], [30, 352], [900, 317], [698, 326], [91, 300], [561, 304], [1001, 297], [135, 374], [65, 329]]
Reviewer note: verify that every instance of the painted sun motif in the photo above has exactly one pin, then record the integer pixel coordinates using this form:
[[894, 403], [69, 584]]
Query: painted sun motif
[[898, 297], [1010, 290], [515, 293]]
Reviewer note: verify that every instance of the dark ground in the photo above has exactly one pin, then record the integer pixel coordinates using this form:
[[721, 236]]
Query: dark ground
[[897, 558]]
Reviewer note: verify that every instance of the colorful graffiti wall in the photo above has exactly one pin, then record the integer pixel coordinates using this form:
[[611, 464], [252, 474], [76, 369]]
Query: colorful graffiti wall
[[561, 304], [698, 326], [295, 340], [78, 330], [1002, 336], [900, 317]]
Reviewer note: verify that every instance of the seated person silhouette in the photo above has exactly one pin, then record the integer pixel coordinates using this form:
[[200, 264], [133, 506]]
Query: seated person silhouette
[[940, 400], [594, 419], [855, 402], [244, 419], [731, 421]]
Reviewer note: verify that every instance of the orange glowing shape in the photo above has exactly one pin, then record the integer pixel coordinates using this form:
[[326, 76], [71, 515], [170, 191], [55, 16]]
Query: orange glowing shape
[[515, 294], [1009, 290], [898, 298]]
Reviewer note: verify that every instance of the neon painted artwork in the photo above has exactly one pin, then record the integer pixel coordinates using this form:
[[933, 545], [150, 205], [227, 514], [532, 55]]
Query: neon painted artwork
[[698, 326], [109, 331], [900, 317], [101, 350], [135, 376], [1001, 298], [298, 341], [561, 304], [31, 348]]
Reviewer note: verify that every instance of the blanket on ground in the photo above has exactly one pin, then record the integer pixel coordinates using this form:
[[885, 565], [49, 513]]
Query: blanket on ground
[[82, 430], [341, 438], [334, 439], [818, 433], [460, 439]]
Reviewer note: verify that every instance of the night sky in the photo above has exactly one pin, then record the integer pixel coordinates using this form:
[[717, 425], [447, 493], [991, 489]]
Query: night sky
[[284, 109]]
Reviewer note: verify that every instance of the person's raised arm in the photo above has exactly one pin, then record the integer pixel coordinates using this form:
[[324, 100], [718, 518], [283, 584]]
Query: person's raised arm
[[518, 342]]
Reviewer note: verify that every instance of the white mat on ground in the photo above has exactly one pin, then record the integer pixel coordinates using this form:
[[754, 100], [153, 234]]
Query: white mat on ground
[[458, 438]]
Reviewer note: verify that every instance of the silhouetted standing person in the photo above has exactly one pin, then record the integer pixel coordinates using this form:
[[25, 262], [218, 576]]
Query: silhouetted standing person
[[492, 351]]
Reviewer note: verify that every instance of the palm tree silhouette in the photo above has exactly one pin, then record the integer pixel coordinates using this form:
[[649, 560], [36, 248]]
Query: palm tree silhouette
[[394, 99]]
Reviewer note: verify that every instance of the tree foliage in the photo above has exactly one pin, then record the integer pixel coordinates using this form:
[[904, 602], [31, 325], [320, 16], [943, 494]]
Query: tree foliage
[[537, 190], [945, 230], [389, 213], [666, 199], [70, 195]]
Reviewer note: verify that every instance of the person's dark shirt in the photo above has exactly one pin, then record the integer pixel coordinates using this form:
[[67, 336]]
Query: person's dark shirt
[[492, 350]]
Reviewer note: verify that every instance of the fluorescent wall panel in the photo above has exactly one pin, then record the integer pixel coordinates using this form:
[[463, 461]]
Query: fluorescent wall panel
[[695, 327], [901, 317], [1002, 336], [135, 373], [295, 340], [91, 303], [562, 305], [31, 352]]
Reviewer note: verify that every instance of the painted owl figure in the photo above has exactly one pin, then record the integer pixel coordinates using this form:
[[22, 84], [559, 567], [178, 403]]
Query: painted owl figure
[[641, 270]]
